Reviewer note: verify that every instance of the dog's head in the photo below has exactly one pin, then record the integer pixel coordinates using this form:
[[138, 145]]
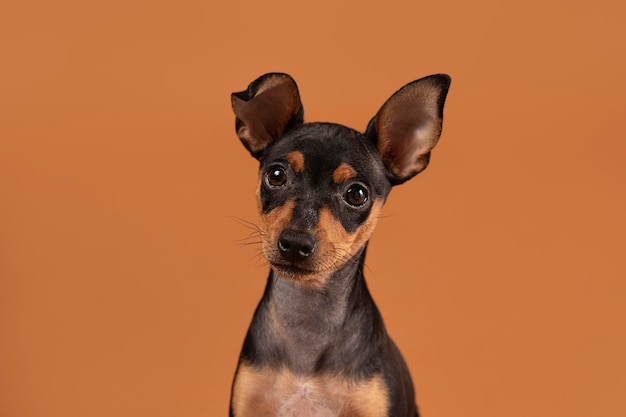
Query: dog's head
[[322, 185]]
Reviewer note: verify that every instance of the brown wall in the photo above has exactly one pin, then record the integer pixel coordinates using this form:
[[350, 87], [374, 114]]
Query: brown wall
[[500, 270]]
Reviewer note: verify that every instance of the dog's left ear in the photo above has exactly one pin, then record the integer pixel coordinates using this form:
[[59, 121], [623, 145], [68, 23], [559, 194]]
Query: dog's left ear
[[266, 110], [408, 125]]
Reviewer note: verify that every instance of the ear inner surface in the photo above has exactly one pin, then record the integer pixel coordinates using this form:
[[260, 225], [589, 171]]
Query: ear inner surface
[[265, 111], [409, 124]]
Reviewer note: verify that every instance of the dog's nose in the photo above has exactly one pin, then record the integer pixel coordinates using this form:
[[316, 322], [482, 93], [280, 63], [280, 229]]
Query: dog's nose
[[296, 246]]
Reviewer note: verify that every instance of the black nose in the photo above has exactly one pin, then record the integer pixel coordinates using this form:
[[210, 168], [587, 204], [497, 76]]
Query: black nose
[[296, 246]]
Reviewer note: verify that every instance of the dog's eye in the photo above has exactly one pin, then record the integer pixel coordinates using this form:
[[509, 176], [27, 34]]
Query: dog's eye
[[276, 176], [356, 195]]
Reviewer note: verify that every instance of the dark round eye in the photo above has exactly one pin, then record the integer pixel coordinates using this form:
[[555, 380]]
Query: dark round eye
[[276, 176], [356, 195]]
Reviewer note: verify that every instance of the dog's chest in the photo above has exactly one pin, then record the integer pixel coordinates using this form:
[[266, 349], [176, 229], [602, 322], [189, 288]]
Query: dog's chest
[[280, 393], [306, 398]]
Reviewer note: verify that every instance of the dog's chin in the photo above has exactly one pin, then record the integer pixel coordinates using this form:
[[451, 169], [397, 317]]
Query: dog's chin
[[297, 273]]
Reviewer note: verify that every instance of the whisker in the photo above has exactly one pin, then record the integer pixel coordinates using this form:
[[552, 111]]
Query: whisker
[[251, 235], [246, 223]]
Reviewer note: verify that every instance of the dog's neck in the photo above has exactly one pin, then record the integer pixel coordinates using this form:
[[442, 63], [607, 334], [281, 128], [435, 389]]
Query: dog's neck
[[306, 310], [313, 327]]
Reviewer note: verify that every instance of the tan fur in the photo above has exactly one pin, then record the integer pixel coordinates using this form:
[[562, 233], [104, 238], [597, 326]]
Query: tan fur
[[343, 173], [272, 224], [336, 243], [281, 393], [296, 160]]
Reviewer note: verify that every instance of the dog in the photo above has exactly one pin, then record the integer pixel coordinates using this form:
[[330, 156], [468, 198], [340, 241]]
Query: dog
[[317, 345]]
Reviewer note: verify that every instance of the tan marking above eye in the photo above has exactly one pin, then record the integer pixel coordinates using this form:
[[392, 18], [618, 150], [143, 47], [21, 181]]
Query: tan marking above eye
[[343, 173], [296, 160]]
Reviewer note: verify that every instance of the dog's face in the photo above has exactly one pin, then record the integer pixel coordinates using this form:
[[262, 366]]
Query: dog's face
[[321, 188], [321, 185]]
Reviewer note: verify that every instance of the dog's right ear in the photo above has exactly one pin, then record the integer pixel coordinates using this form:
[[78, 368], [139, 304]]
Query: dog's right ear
[[266, 110]]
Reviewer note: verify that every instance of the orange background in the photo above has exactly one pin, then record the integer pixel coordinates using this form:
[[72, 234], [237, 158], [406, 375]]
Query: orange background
[[500, 270]]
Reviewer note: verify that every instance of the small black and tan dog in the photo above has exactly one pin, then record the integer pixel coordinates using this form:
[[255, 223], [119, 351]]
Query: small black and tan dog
[[317, 345]]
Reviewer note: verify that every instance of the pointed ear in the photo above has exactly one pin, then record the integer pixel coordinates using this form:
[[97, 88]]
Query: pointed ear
[[408, 125], [266, 110]]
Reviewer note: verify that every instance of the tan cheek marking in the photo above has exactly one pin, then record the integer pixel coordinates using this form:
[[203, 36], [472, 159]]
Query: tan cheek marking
[[296, 159], [272, 223], [343, 173], [336, 242], [271, 392]]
